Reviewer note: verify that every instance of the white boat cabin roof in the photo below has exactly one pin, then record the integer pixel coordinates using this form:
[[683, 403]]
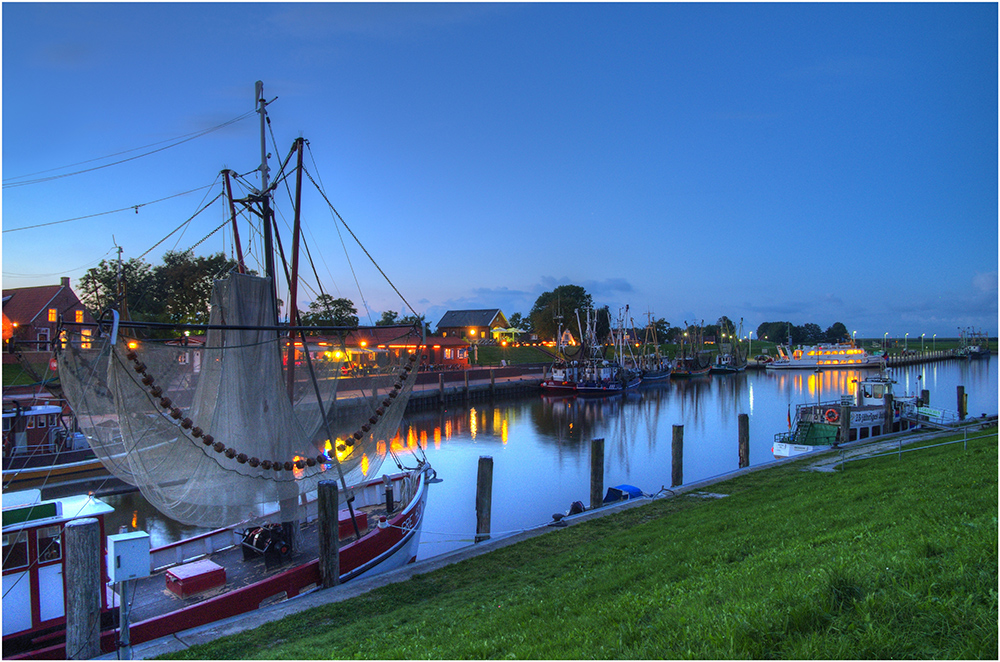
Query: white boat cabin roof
[[26, 510]]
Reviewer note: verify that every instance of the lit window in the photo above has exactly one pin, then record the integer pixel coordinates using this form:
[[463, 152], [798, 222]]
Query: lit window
[[52, 315], [86, 338], [447, 353], [31, 422], [79, 317]]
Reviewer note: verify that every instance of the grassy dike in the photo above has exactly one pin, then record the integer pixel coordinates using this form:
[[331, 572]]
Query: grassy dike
[[885, 558]]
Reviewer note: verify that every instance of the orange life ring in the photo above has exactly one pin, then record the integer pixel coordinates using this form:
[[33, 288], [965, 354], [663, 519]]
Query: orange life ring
[[832, 415]]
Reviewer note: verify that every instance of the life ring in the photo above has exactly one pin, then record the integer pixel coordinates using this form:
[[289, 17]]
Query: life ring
[[832, 415]]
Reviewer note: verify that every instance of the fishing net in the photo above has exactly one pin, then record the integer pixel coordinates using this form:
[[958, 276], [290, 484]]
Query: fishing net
[[226, 432]]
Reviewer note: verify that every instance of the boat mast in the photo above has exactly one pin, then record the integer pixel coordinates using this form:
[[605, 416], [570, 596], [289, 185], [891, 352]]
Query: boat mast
[[265, 194]]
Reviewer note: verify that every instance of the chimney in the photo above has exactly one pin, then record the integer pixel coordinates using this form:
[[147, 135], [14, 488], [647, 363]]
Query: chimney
[[65, 281]]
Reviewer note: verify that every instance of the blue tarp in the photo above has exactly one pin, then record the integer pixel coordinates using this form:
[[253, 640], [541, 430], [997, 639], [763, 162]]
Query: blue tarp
[[622, 493]]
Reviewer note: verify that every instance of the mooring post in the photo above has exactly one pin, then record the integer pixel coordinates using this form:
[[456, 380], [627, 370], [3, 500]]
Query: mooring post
[[889, 416], [677, 457], [328, 497], [925, 397], [484, 497], [596, 473], [845, 424], [963, 402], [744, 439], [83, 589]]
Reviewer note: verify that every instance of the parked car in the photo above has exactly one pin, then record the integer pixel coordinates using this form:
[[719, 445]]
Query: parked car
[[763, 358]]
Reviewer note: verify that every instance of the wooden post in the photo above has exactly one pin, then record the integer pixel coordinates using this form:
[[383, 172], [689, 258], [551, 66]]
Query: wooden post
[[887, 426], [493, 385], [596, 473], [925, 397], [962, 403], [484, 497], [328, 497], [466, 384], [677, 457], [441, 387], [744, 439], [83, 589], [845, 424]]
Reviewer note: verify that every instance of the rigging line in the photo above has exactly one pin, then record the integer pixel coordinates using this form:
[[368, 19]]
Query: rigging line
[[188, 220], [348, 228], [105, 213], [312, 157], [179, 141]]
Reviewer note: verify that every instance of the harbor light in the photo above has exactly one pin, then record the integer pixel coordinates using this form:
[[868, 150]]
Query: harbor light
[[922, 342], [934, 346]]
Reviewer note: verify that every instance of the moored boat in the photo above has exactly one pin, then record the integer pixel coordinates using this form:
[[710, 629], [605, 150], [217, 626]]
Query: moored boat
[[872, 410], [825, 356], [236, 434]]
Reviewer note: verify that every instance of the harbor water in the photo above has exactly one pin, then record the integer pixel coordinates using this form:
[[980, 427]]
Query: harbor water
[[540, 444]]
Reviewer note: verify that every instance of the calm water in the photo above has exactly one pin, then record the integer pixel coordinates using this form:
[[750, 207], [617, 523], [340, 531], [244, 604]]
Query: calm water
[[540, 445]]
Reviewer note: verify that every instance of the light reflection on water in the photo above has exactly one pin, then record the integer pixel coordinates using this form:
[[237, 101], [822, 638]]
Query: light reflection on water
[[540, 445]]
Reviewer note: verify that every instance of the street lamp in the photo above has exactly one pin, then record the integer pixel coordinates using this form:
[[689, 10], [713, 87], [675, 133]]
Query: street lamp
[[922, 342], [906, 341], [885, 342], [934, 346]]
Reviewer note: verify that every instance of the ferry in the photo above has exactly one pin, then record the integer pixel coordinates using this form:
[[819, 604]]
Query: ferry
[[873, 410], [823, 356]]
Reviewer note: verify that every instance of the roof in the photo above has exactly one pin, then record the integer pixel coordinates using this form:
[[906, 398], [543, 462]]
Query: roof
[[22, 305], [468, 318]]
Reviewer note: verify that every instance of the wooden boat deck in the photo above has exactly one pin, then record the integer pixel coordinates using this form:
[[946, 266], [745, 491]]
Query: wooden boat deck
[[152, 598]]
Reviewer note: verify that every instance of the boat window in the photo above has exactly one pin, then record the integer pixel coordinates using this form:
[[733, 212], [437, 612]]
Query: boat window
[[42, 421], [30, 423], [52, 420], [6, 424], [879, 390], [49, 547], [15, 550]]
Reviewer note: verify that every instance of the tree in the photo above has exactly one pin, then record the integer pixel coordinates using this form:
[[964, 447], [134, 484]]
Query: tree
[[837, 332], [184, 283], [516, 321], [416, 320], [327, 311], [811, 333], [389, 318], [563, 301], [98, 289]]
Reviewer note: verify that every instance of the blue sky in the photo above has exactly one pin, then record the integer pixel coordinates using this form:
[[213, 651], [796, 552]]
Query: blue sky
[[811, 163]]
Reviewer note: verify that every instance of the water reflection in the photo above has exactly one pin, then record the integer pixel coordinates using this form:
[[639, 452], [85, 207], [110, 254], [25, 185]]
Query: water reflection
[[541, 444]]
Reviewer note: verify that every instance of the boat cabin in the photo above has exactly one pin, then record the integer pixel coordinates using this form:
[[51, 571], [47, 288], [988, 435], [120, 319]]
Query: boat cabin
[[33, 427], [34, 562]]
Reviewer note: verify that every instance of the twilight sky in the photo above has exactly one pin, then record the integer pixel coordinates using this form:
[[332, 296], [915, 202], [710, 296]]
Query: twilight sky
[[811, 163]]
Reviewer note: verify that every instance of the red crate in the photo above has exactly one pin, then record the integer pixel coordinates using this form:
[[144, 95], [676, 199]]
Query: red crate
[[346, 528], [191, 578]]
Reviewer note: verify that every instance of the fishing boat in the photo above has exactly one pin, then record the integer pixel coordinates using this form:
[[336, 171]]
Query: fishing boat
[[872, 410], [652, 365], [39, 448], [732, 355], [695, 360], [825, 356], [236, 435], [586, 370]]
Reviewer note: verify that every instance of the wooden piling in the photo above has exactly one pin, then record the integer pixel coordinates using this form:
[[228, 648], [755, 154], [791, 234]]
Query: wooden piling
[[677, 457], [441, 388], [328, 497], [889, 416], [596, 473], [83, 589], [744, 439], [484, 497], [845, 424], [963, 403], [466, 372], [925, 397], [493, 384]]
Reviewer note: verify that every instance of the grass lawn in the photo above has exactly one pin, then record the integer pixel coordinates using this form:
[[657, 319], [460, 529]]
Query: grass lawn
[[886, 558]]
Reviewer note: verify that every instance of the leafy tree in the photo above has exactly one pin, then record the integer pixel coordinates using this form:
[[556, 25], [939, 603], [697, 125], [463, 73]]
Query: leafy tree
[[811, 333], [99, 287], [662, 327], [415, 320], [327, 311], [776, 332], [837, 332], [389, 318], [184, 283], [602, 325], [516, 321], [562, 301]]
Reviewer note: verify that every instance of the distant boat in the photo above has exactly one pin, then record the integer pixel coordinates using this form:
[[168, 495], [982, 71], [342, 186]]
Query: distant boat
[[874, 410], [732, 355], [592, 373], [824, 356], [651, 363], [694, 360]]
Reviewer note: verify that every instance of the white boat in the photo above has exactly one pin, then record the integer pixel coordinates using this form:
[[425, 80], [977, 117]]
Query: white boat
[[825, 356], [873, 408]]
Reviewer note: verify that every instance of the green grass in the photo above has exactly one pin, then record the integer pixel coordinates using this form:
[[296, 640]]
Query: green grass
[[887, 558], [15, 375]]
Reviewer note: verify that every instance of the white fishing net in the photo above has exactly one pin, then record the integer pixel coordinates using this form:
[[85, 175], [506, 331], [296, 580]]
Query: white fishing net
[[223, 433]]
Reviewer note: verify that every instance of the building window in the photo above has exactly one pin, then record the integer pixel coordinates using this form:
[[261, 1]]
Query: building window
[[52, 315], [86, 339], [43, 340], [79, 317], [462, 353], [447, 354]]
